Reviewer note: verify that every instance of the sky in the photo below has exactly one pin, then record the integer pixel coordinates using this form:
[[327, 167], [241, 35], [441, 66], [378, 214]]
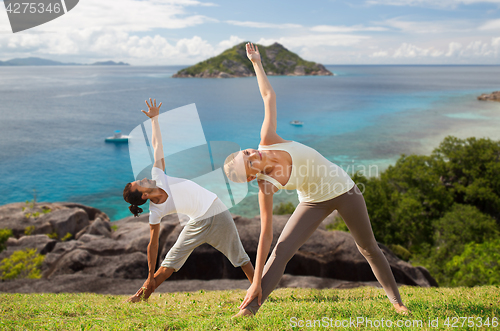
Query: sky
[[184, 32]]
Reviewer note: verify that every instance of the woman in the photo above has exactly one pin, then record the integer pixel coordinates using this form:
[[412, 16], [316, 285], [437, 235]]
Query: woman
[[322, 188], [210, 221]]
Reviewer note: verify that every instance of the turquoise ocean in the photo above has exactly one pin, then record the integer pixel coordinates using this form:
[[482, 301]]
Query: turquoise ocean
[[53, 121]]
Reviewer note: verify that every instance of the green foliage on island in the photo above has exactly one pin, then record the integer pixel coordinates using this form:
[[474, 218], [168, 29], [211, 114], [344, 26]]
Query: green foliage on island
[[442, 208], [284, 310], [22, 264], [4, 235], [276, 59]]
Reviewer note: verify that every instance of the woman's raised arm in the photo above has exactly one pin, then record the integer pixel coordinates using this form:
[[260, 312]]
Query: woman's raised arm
[[268, 135]]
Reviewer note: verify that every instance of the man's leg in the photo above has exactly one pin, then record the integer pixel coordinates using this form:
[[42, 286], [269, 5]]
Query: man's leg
[[190, 237], [161, 275], [248, 270], [224, 237]]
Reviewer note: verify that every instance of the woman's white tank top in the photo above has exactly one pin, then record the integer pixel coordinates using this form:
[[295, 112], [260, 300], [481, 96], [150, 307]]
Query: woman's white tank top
[[314, 177]]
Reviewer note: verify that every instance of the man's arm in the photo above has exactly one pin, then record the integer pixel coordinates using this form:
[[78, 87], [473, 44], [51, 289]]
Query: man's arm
[[153, 113], [150, 283]]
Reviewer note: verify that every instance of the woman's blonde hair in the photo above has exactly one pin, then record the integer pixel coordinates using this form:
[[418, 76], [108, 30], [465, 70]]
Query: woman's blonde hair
[[235, 170]]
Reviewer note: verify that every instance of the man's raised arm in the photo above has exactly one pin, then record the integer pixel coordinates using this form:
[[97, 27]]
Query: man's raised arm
[[153, 113]]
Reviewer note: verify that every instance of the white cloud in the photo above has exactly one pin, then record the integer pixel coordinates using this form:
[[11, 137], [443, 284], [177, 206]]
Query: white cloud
[[225, 44], [490, 25], [429, 3], [475, 50], [126, 15], [412, 51], [433, 27], [453, 49], [380, 54], [97, 44], [315, 40], [343, 29], [263, 25]]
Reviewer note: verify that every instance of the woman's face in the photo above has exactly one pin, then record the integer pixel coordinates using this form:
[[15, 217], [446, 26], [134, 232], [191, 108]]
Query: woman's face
[[253, 160]]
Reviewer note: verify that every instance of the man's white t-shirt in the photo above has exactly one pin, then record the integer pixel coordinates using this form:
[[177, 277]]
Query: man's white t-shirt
[[184, 197]]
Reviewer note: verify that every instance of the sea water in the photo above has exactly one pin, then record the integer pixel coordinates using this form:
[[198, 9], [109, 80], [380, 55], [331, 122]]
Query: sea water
[[53, 121]]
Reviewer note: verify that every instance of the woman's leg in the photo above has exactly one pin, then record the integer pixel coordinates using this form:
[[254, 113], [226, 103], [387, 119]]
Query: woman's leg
[[351, 206], [301, 225]]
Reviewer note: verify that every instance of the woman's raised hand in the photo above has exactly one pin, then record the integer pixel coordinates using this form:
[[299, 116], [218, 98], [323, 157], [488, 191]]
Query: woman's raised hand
[[253, 52], [152, 109]]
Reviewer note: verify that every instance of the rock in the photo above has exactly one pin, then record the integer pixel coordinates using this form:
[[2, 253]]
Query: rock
[[40, 242], [100, 227], [494, 96], [93, 213], [66, 221], [321, 283], [299, 71], [327, 259], [42, 217], [17, 217], [81, 283]]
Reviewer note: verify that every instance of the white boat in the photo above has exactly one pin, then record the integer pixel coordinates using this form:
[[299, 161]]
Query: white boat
[[118, 137], [296, 123]]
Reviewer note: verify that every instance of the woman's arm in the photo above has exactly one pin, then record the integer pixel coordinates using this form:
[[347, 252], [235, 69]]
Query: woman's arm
[[268, 135], [266, 192], [153, 113]]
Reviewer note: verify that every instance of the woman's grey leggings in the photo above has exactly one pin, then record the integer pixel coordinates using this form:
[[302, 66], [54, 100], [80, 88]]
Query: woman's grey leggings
[[304, 221]]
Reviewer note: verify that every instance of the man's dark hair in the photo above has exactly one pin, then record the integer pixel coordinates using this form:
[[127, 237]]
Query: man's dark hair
[[134, 198]]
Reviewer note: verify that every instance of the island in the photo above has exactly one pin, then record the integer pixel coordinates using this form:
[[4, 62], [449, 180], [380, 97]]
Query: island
[[494, 96], [36, 61], [233, 62]]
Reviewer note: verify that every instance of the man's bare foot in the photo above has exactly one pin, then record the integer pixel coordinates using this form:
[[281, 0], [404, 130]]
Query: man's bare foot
[[401, 309], [138, 296], [134, 298], [242, 313]]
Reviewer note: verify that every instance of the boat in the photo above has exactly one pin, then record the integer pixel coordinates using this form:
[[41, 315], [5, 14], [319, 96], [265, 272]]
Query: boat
[[118, 137], [296, 123]]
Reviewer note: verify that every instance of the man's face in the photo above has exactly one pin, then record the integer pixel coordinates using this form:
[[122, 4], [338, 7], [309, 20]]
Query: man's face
[[144, 185]]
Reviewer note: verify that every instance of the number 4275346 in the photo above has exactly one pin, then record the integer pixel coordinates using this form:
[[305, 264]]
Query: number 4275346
[[33, 8], [455, 322]]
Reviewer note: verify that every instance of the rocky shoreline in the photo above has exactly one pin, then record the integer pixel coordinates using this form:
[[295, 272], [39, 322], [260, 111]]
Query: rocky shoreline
[[494, 96], [111, 257]]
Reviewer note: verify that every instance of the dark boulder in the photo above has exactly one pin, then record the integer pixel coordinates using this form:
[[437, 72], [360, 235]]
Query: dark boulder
[[40, 242], [327, 259]]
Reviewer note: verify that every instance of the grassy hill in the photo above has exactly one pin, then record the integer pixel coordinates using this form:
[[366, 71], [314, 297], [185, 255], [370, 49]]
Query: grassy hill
[[233, 62], [450, 308]]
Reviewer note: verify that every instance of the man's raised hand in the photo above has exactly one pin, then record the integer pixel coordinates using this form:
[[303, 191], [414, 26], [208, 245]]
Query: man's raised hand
[[152, 109]]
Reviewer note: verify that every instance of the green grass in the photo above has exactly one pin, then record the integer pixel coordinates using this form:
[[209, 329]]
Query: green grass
[[213, 310]]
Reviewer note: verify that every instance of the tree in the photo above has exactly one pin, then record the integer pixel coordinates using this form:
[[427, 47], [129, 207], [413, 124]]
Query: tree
[[479, 264], [460, 226], [470, 168]]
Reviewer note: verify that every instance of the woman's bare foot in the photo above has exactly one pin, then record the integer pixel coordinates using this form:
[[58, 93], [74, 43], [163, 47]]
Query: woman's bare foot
[[401, 309], [243, 312]]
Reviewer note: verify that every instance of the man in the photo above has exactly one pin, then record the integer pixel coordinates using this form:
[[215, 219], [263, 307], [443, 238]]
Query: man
[[210, 221]]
